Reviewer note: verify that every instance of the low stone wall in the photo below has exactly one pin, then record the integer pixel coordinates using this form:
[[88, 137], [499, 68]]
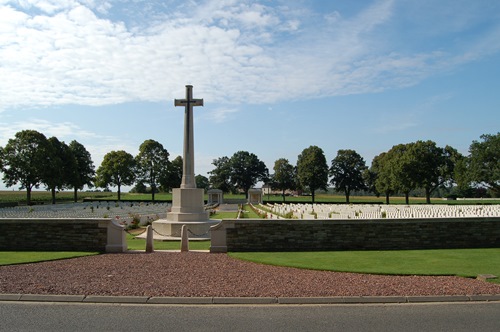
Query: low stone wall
[[103, 235], [377, 234]]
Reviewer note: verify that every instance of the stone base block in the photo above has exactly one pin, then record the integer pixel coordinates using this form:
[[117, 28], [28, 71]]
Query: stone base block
[[187, 217], [196, 229], [190, 201]]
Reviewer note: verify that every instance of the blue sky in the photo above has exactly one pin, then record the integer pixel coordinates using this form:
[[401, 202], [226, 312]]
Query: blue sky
[[276, 76]]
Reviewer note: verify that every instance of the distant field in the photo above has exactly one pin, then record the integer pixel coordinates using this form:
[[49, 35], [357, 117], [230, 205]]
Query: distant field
[[67, 196], [45, 196]]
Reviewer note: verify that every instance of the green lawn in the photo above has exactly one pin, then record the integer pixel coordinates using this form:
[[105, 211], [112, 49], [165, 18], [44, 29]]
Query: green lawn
[[135, 243], [22, 257], [459, 262], [224, 215]]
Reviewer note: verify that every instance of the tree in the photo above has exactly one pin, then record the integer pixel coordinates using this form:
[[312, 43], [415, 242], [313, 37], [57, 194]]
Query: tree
[[284, 176], [400, 168], [152, 164], [427, 159], [433, 166], [173, 178], [117, 169], [220, 176], [247, 170], [380, 175], [25, 159], [312, 169], [202, 182], [84, 172], [139, 188], [61, 167], [484, 162], [461, 177], [347, 172]]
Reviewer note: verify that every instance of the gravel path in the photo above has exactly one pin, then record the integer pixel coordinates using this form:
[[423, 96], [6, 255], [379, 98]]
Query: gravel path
[[202, 274]]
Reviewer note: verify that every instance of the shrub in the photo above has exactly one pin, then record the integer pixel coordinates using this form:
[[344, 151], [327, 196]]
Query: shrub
[[136, 220]]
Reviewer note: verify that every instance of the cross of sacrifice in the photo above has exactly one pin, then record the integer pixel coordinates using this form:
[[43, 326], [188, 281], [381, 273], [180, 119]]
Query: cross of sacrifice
[[188, 179]]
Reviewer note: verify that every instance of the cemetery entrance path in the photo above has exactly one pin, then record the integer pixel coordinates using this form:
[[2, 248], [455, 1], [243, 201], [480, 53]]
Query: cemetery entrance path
[[195, 274]]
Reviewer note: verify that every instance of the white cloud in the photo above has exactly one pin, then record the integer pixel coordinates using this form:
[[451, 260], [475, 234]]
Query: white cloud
[[98, 145], [220, 115], [395, 123], [232, 51], [65, 131]]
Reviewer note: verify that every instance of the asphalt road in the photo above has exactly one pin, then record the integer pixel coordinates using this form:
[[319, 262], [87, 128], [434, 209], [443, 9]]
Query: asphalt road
[[39, 316]]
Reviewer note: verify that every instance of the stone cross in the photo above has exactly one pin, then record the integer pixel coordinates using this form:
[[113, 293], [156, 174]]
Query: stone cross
[[188, 179]]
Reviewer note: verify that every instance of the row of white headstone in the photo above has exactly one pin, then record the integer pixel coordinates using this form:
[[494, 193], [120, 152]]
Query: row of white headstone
[[375, 211], [124, 211]]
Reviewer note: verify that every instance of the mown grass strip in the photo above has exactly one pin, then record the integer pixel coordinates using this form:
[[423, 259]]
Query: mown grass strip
[[135, 243], [458, 262], [23, 257]]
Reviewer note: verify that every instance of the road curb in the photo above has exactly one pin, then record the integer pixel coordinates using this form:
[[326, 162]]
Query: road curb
[[51, 298], [451, 298], [246, 300]]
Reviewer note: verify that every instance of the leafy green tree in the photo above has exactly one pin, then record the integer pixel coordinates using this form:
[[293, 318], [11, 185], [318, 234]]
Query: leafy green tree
[[247, 170], [61, 167], [25, 159], [401, 167], [173, 178], [347, 172], [484, 163], [464, 188], [427, 159], [139, 188], [421, 164], [437, 167], [84, 172], [202, 182], [220, 176], [312, 169], [284, 176], [152, 164], [380, 174], [117, 169]]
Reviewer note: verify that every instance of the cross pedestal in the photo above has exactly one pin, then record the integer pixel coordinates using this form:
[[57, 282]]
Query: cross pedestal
[[187, 201]]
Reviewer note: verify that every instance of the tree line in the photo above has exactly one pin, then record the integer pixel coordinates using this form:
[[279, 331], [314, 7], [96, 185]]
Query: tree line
[[31, 160], [402, 169]]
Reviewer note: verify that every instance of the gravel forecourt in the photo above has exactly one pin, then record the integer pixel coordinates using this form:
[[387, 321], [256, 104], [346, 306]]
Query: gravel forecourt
[[196, 274]]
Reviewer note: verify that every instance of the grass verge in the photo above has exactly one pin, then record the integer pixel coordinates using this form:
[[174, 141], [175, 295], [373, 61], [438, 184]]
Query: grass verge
[[458, 262], [22, 257], [135, 243]]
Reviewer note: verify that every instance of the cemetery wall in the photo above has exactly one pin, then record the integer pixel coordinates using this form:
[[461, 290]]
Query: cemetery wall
[[394, 234], [54, 234]]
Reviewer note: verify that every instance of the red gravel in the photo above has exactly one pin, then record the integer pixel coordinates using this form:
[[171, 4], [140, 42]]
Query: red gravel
[[214, 275]]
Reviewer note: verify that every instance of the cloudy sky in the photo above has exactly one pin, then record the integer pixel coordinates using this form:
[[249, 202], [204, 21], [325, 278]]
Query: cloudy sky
[[276, 76]]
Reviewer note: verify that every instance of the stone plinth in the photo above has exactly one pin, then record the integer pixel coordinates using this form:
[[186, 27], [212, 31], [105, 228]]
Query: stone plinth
[[171, 230], [187, 209], [187, 205]]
